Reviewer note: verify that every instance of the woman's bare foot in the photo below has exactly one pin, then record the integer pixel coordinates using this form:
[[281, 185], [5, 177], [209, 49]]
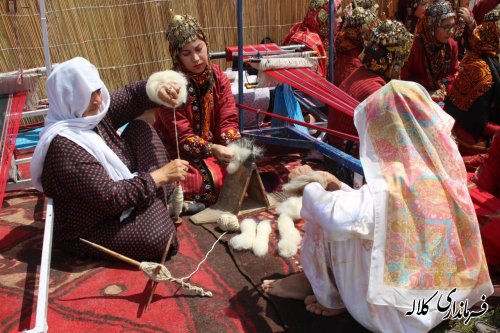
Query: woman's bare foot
[[312, 305], [295, 286]]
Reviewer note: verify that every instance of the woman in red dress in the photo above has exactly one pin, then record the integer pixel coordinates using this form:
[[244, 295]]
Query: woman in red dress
[[313, 30], [474, 99], [433, 59], [349, 41], [387, 47], [207, 122]]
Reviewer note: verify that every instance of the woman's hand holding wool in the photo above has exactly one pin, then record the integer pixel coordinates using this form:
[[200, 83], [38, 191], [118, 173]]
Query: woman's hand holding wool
[[222, 153], [173, 171], [169, 93]]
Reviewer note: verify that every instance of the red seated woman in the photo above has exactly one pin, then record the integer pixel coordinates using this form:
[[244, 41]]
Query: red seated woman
[[313, 31], [208, 121], [474, 100], [349, 41]]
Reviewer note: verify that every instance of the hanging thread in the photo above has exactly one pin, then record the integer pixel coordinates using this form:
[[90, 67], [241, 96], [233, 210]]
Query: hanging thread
[[178, 194]]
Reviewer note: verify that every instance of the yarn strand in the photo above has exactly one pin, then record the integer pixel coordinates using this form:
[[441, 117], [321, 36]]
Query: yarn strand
[[204, 259], [178, 194], [164, 275], [176, 135]]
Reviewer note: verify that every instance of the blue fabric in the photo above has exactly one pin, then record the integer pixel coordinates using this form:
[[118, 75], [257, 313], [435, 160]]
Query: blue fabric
[[28, 139], [286, 104]]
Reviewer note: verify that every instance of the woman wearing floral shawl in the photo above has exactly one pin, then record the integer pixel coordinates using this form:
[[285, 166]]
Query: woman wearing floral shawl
[[408, 234]]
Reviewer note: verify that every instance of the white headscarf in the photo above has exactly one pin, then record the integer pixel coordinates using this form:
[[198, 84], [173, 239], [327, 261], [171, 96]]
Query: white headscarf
[[69, 88]]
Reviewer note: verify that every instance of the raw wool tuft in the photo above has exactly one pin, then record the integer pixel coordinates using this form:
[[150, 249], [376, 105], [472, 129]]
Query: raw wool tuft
[[261, 242], [290, 236], [228, 222], [290, 207], [244, 241], [296, 186], [242, 149]]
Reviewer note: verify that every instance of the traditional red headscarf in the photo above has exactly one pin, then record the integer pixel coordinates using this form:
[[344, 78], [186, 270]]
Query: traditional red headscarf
[[386, 49], [355, 22]]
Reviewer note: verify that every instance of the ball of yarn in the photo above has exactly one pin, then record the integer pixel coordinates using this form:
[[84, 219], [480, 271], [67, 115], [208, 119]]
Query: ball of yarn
[[228, 222]]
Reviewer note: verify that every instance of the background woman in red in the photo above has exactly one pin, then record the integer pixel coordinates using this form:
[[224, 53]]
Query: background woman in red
[[433, 59]]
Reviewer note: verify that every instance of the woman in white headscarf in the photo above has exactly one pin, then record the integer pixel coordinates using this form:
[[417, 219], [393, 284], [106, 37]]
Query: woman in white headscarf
[[383, 251], [107, 188]]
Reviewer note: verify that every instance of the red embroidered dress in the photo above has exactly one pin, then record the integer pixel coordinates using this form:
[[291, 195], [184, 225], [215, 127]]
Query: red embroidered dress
[[209, 117]]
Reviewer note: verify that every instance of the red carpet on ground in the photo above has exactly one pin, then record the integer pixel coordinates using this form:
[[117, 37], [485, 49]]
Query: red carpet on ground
[[88, 295]]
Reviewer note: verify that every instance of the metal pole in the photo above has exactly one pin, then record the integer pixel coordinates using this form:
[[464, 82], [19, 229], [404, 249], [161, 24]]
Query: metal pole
[[240, 63], [331, 31], [45, 38]]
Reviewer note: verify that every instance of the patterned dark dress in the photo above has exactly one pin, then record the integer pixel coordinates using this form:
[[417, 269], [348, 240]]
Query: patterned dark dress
[[88, 203]]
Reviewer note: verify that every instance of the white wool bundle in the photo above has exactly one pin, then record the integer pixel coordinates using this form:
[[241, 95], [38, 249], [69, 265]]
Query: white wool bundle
[[177, 201], [287, 229], [290, 236], [296, 186], [261, 242], [228, 222], [244, 241], [287, 248], [290, 207], [242, 149]]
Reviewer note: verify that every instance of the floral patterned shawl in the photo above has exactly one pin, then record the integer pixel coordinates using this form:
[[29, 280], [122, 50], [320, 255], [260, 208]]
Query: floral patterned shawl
[[426, 235]]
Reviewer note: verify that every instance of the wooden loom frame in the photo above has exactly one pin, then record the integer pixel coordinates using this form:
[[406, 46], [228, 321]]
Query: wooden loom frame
[[289, 136]]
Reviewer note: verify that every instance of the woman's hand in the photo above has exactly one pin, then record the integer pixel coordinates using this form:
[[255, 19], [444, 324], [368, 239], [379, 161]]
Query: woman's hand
[[169, 93], [173, 171], [438, 95], [303, 169], [332, 182], [222, 153], [466, 16]]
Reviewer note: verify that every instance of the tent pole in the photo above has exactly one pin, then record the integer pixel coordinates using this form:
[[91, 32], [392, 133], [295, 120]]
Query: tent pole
[[45, 38]]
